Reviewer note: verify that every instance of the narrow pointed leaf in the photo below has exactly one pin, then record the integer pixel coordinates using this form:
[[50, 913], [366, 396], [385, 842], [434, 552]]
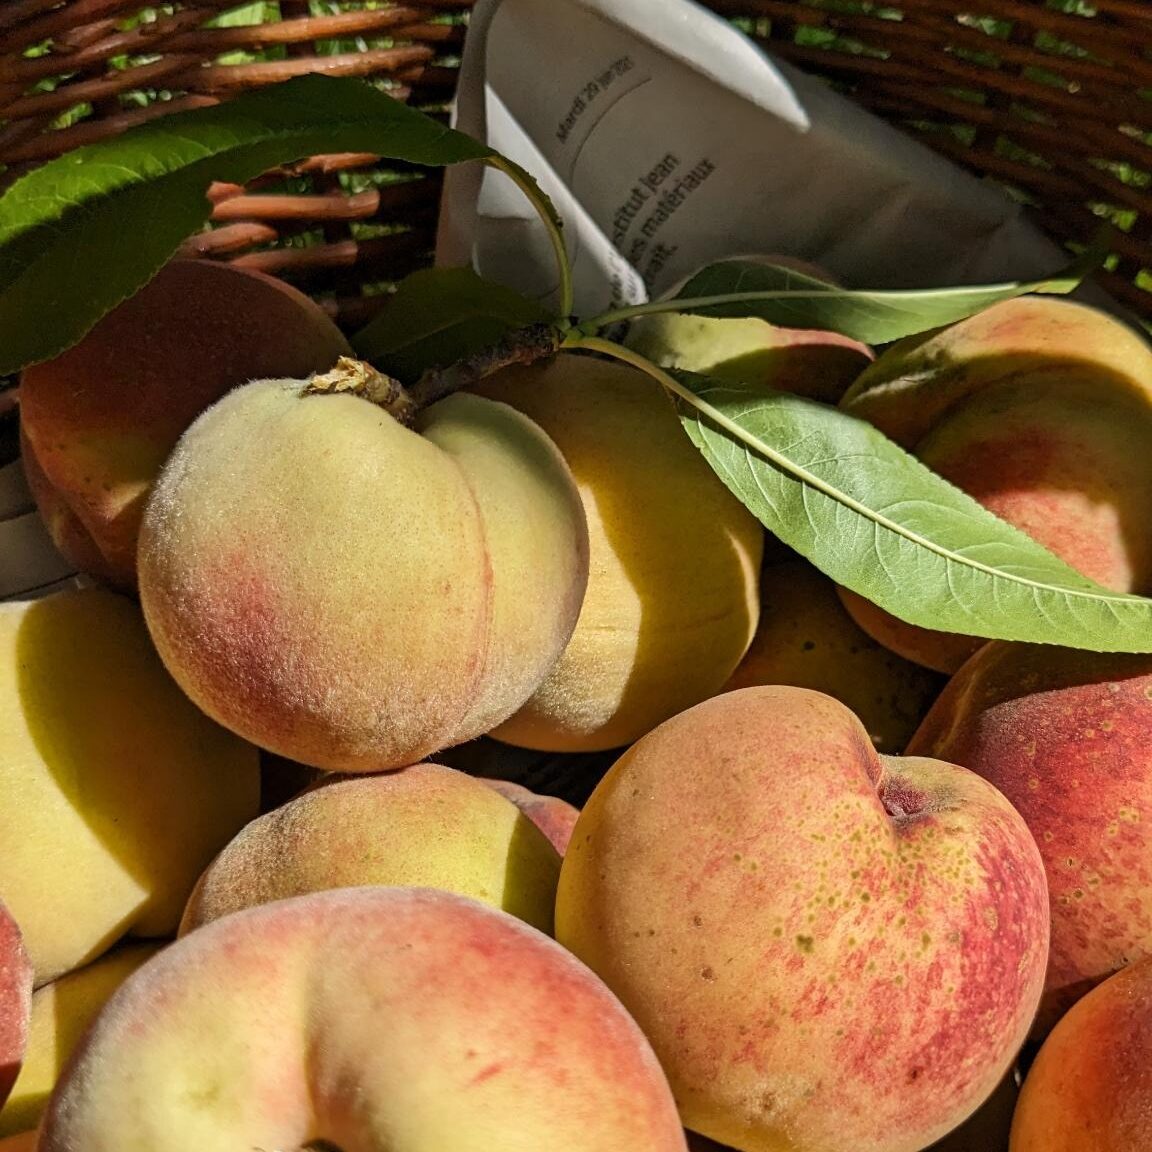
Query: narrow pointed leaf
[[85, 231], [439, 316], [734, 288], [879, 522]]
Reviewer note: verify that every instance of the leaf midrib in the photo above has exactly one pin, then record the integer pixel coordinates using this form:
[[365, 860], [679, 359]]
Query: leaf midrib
[[843, 498]]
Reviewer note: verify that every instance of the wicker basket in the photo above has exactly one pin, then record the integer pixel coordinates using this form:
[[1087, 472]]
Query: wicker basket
[[1051, 98]]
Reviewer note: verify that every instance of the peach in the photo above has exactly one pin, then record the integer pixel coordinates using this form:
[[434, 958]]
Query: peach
[[1066, 735], [358, 595], [829, 949], [812, 362], [808, 362], [364, 1018], [15, 1001], [806, 638], [61, 1012], [98, 421], [1089, 1088], [671, 601], [1041, 409], [426, 826], [115, 791]]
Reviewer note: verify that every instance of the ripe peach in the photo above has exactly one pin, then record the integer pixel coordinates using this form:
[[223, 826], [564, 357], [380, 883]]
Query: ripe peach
[[426, 826], [828, 949], [115, 791], [1090, 1087], [1041, 409], [671, 602], [806, 638], [361, 1019], [1066, 735], [358, 595], [98, 420], [61, 1012]]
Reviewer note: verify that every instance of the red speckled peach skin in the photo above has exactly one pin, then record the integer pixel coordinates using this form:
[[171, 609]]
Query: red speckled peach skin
[[378, 1019], [1090, 1087], [1066, 735], [829, 950]]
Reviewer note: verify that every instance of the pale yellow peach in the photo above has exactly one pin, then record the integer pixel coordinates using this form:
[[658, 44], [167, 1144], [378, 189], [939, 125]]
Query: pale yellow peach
[[671, 601], [806, 638], [115, 790], [425, 826]]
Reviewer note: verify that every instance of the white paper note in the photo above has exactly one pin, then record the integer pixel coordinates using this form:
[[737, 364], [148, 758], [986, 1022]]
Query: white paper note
[[667, 140]]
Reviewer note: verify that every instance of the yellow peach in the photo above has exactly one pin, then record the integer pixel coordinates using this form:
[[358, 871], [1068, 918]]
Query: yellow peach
[[115, 790], [1040, 408], [424, 826], [671, 602]]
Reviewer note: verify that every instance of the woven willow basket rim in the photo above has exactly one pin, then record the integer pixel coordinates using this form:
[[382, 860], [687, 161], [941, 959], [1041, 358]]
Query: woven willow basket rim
[[1050, 98]]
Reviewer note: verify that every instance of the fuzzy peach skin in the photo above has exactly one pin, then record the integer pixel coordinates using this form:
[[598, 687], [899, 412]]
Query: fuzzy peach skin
[[830, 950], [553, 816], [372, 1019], [1039, 408], [358, 595], [1090, 1087], [61, 1011], [98, 421], [671, 601], [806, 638], [424, 826], [15, 1001], [1066, 735], [115, 790]]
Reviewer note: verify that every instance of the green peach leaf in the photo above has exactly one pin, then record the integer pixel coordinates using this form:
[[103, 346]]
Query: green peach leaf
[[86, 230], [439, 316], [791, 299], [879, 522]]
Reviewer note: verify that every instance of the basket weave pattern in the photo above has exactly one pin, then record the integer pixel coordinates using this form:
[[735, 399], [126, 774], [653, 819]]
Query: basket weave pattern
[[1052, 98]]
